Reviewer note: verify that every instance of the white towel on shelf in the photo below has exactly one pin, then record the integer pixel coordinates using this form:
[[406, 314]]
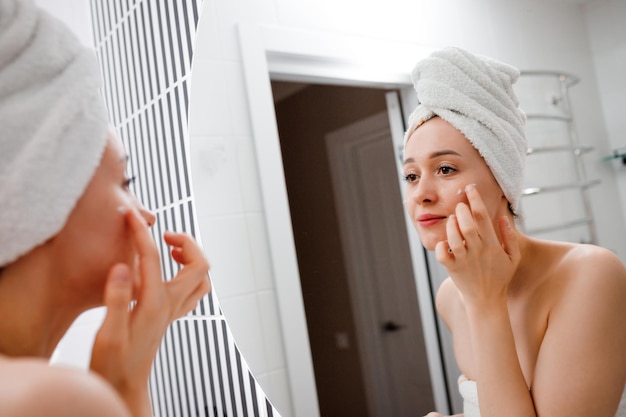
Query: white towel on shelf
[[475, 94], [53, 125]]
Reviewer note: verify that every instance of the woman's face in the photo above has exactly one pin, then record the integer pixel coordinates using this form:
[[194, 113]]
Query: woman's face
[[96, 235], [439, 163]]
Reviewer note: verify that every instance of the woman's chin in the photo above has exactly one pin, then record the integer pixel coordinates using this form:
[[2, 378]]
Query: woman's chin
[[430, 240]]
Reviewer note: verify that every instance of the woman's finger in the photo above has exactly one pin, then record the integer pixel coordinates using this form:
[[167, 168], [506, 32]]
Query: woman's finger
[[510, 243], [467, 225], [443, 253], [118, 293], [189, 285], [455, 237], [149, 261], [480, 215], [112, 338], [192, 299], [189, 251]]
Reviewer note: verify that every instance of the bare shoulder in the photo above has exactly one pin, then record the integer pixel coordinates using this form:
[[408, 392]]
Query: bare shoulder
[[581, 355], [585, 276], [590, 266], [30, 387]]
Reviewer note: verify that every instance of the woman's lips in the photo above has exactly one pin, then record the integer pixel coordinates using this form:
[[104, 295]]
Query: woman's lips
[[426, 220]]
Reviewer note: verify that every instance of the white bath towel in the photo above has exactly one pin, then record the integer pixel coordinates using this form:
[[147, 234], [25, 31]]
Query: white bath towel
[[469, 393], [475, 94], [52, 125]]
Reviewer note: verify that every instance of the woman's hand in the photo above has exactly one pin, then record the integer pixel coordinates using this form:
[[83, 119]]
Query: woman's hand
[[129, 338], [479, 264]]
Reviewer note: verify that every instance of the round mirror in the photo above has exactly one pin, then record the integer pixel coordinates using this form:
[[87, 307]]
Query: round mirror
[[288, 109]]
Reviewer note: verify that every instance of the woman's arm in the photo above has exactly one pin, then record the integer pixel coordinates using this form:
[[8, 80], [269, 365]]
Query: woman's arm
[[581, 366], [482, 267]]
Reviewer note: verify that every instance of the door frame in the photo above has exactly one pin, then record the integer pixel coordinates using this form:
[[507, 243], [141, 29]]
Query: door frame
[[279, 53]]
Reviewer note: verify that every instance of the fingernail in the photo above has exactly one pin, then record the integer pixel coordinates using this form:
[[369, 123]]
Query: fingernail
[[120, 274], [507, 223], [122, 209], [469, 187]]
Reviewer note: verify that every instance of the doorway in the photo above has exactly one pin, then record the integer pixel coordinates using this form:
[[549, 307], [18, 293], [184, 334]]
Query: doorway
[[357, 280]]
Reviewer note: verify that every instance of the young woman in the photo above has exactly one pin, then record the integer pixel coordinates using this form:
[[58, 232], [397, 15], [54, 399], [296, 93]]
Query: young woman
[[73, 236], [538, 326]]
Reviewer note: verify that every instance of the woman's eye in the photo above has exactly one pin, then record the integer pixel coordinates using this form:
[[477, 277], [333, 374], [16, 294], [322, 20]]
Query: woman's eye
[[128, 182], [446, 170], [410, 178]]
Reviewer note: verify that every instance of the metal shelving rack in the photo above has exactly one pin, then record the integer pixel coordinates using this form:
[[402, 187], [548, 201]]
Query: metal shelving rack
[[548, 108]]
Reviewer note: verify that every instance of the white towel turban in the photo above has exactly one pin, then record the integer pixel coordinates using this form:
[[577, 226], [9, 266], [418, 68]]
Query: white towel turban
[[53, 125], [475, 94]]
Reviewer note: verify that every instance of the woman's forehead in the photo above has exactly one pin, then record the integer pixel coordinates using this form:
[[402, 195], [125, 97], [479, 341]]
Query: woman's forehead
[[435, 134]]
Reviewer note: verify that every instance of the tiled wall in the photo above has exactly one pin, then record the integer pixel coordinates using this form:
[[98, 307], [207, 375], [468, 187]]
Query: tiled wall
[[607, 38], [145, 50]]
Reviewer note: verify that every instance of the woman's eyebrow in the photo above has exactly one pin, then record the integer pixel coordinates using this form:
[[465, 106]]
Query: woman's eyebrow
[[435, 155], [443, 153]]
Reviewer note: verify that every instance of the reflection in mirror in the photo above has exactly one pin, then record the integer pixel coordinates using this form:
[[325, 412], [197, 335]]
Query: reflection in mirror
[[264, 234]]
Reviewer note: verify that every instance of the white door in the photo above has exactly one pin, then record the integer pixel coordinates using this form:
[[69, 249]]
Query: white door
[[380, 272]]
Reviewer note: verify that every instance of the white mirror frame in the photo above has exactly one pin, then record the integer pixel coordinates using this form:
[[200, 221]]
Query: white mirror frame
[[271, 52]]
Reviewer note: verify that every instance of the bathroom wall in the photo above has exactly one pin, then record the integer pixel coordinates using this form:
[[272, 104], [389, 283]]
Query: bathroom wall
[[607, 38], [531, 34]]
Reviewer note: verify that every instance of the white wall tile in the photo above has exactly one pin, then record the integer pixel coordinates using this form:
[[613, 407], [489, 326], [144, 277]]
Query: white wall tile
[[244, 321], [276, 386], [209, 112], [272, 334], [225, 239], [614, 103], [248, 175], [237, 98], [607, 37], [261, 260], [231, 13], [207, 36], [216, 175]]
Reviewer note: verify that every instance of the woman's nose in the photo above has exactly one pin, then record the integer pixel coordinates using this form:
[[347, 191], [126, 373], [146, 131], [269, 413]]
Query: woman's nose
[[148, 215], [422, 192], [145, 213]]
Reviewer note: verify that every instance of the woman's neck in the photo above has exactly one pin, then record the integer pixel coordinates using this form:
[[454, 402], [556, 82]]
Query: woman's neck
[[33, 318]]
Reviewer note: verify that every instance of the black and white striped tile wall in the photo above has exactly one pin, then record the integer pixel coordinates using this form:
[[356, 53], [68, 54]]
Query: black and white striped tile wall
[[145, 50]]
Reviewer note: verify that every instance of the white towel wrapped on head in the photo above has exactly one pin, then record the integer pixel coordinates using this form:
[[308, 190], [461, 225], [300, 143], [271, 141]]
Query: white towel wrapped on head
[[53, 125], [475, 94]]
